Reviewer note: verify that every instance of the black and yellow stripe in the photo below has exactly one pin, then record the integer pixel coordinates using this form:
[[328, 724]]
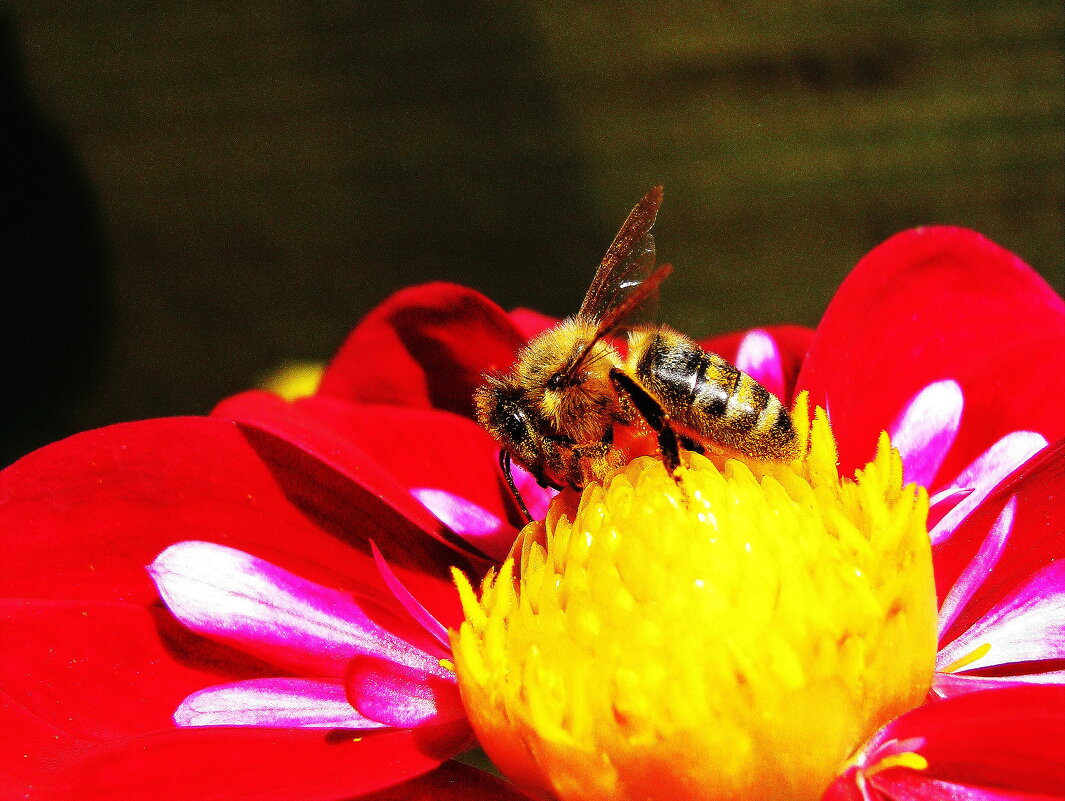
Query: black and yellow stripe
[[708, 399]]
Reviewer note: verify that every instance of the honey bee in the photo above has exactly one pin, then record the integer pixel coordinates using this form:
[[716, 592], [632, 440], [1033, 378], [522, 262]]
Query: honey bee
[[570, 389]]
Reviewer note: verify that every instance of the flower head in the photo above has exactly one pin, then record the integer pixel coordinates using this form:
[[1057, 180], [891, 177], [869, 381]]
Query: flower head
[[734, 633]]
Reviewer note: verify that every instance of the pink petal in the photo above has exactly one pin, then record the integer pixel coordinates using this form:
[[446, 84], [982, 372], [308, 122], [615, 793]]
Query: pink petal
[[474, 524], [984, 474], [972, 578], [1028, 625], [266, 611], [414, 608], [925, 429], [402, 696], [285, 703], [759, 357]]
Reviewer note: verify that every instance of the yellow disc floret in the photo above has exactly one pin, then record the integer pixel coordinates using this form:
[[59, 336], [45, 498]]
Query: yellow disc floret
[[735, 634]]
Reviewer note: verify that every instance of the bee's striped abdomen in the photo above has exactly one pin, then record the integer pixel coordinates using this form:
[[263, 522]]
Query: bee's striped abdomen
[[708, 398]]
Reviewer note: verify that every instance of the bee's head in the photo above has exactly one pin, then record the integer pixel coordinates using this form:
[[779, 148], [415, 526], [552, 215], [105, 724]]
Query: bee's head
[[503, 410]]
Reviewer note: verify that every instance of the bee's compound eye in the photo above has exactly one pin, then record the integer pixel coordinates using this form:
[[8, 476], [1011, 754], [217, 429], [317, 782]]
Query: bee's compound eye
[[557, 381], [515, 425]]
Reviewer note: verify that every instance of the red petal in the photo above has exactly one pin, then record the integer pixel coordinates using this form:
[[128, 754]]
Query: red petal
[[424, 448], [1009, 739], [931, 304], [1035, 538], [532, 323], [913, 787], [398, 448], [220, 763], [424, 346], [83, 517], [453, 781], [267, 412], [98, 670], [89, 690]]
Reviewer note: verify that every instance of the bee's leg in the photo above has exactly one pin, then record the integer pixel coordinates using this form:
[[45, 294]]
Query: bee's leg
[[690, 444], [504, 463], [594, 460], [651, 411]]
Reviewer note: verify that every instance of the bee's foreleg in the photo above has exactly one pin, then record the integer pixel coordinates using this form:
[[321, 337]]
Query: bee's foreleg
[[651, 411], [592, 462]]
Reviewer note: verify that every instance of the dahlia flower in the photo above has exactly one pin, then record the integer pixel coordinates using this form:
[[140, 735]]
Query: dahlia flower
[[256, 604]]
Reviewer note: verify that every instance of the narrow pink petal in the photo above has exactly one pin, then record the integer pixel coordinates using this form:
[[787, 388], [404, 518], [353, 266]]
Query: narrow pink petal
[[759, 357], [947, 684], [1027, 625], [972, 578], [984, 474], [251, 604], [925, 429], [402, 696], [474, 524], [421, 615], [277, 703], [942, 502]]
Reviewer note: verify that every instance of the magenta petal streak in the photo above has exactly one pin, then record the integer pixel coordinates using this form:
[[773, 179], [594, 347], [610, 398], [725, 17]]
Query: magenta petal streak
[[759, 357], [984, 474], [1028, 625], [477, 526], [402, 696], [926, 428], [978, 569], [946, 685], [251, 604], [285, 702]]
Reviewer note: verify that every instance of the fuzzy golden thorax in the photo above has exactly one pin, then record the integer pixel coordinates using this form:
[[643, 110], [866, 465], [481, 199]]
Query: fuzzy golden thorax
[[584, 407]]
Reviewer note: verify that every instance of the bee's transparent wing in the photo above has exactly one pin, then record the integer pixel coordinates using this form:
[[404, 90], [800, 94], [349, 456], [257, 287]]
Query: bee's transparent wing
[[628, 262]]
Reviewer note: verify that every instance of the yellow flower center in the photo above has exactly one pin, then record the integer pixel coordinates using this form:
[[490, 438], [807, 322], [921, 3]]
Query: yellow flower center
[[294, 380], [733, 635]]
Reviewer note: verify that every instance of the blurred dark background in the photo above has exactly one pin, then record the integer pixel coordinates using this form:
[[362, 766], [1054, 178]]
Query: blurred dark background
[[196, 192]]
